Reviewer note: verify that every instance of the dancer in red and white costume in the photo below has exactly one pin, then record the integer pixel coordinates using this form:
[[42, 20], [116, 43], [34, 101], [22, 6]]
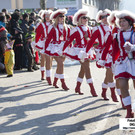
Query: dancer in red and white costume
[[57, 35], [41, 35], [103, 33], [115, 29], [124, 56], [81, 33]]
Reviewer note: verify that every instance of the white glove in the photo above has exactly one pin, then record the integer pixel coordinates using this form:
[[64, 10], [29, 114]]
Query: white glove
[[129, 47], [101, 63]]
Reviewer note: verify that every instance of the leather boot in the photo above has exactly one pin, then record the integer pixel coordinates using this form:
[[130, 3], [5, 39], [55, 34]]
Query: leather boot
[[130, 114], [93, 92], [119, 93], [42, 75], [55, 82], [113, 95], [77, 88], [64, 85], [103, 94], [49, 80]]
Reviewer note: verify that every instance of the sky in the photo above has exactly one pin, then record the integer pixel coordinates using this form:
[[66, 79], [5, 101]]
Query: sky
[[128, 5]]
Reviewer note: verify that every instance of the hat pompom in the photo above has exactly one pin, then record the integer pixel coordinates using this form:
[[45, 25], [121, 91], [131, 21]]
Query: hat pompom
[[57, 12], [111, 19], [78, 14]]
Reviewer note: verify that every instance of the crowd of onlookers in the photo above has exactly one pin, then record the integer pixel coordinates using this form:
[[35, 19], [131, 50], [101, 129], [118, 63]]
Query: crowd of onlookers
[[20, 28]]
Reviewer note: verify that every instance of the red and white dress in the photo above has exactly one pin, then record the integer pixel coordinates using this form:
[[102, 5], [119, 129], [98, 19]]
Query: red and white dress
[[56, 39], [124, 65], [80, 35], [41, 34], [103, 34], [108, 47]]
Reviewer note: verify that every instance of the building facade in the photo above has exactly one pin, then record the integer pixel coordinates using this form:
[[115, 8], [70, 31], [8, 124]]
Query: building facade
[[72, 5], [19, 4]]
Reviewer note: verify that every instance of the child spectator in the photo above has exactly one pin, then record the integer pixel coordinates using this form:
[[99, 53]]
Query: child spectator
[[9, 58], [29, 52], [30, 36]]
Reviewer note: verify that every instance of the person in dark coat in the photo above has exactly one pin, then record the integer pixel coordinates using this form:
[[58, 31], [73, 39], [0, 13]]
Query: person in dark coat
[[3, 41], [14, 23], [29, 52], [25, 27], [18, 47]]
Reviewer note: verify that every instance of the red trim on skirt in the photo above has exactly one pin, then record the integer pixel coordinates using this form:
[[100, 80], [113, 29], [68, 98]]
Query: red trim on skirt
[[38, 47], [124, 75], [72, 57]]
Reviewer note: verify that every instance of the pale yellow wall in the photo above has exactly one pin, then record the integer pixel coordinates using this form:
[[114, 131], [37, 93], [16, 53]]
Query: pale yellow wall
[[19, 4]]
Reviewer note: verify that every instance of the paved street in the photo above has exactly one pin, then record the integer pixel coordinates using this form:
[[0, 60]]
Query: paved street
[[28, 106]]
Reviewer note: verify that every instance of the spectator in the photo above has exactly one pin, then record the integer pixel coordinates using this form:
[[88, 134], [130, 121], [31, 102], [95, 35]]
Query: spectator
[[33, 16], [8, 24], [18, 48], [3, 41], [29, 52], [9, 58], [70, 20], [25, 27], [14, 23], [24, 24], [2, 19], [5, 11], [17, 11]]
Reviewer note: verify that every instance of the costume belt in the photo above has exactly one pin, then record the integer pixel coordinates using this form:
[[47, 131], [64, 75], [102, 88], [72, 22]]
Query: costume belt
[[19, 45]]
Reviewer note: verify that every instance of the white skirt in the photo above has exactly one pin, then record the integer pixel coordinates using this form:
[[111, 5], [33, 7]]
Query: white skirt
[[39, 45], [76, 53], [125, 69], [55, 49]]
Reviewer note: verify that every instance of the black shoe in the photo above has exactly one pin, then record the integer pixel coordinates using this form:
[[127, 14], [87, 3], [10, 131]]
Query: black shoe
[[17, 68], [35, 67], [9, 75], [30, 70]]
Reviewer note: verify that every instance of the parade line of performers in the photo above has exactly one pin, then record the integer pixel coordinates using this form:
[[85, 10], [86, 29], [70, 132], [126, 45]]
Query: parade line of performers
[[111, 44]]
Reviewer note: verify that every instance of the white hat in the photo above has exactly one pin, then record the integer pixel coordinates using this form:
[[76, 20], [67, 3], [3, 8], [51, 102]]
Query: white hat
[[125, 14], [102, 13], [111, 19], [78, 14], [58, 12], [40, 12], [46, 12]]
